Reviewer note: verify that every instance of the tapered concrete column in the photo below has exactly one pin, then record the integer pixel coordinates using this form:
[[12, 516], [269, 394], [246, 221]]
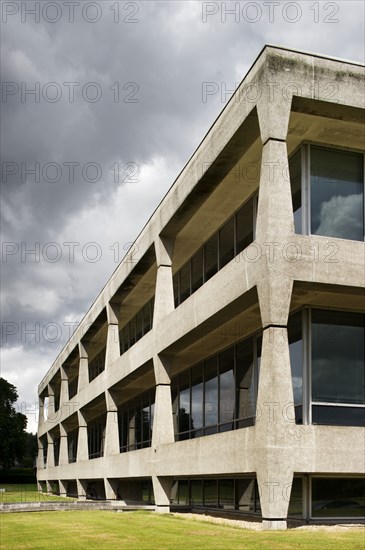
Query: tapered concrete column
[[81, 489], [164, 294], [41, 412], [275, 431], [64, 389], [51, 406], [163, 426], [111, 488], [83, 368], [112, 342], [82, 446], [273, 108], [63, 487], [49, 487], [162, 487], [111, 444], [40, 459], [63, 446], [50, 452]]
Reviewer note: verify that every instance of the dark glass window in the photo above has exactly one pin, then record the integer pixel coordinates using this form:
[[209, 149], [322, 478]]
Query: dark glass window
[[337, 193], [226, 494], [176, 285], [210, 493], [97, 364], [211, 258], [226, 244], [338, 357], [196, 492], [197, 270], [296, 498], [197, 401], [72, 439], [137, 327], [95, 436], [338, 497], [185, 282], [135, 421], [244, 227], [296, 363], [245, 384], [56, 450], [295, 171], [72, 387], [217, 395]]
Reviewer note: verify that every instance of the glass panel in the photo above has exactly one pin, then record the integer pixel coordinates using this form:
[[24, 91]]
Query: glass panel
[[226, 494], [338, 416], [226, 388], [295, 171], [296, 362], [244, 224], [146, 434], [337, 194], [226, 244], [185, 282], [296, 498], [139, 324], [211, 392], [211, 258], [175, 281], [184, 405], [210, 493], [147, 318], [245, 494], [197, 401], [196, 492], [338, 497], [183, 492], [132, 332], [337, 357], [197, 270], [126, 344], [245, 388]]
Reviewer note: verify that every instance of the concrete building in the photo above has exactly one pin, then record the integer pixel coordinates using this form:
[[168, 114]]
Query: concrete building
[[222, 366]]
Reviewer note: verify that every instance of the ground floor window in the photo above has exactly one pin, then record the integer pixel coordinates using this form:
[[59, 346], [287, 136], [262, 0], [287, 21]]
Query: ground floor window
[[328, 368], [338, 497]]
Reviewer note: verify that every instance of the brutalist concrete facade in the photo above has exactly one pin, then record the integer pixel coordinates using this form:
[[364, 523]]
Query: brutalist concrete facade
[[287, 101]]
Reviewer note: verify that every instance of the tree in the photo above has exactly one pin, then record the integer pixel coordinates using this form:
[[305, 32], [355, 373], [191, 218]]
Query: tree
[[12, 426]]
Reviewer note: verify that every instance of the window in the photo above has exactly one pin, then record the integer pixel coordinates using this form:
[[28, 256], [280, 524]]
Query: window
[[72, 439], [327, 366], [328, 192], [95, 437], [338, 497], [218, 394], [97, 364], [221, 248], [72, 387], [135, 421], [137, 327]]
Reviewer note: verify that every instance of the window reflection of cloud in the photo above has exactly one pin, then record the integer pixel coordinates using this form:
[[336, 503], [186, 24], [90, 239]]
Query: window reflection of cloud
[[342, 217]]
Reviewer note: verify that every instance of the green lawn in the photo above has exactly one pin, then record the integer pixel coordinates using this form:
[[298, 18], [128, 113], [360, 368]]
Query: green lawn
[[26, 493], [151, 531]]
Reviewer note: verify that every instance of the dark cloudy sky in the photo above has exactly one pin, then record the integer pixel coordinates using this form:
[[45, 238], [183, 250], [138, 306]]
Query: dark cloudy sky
[[116, 111]]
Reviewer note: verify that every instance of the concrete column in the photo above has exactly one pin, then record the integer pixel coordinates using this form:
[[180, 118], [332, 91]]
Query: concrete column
[[63, 487], [49, 487], [275, 430], [50, 453], [81, 489], [111, 488], [51, 406], [112, 342], [40, 459], [64, 389], [111, 443], [63, 446], [164, 293], [163, 426], [162, 487], [82, 446], [83, 368], [40, 412]]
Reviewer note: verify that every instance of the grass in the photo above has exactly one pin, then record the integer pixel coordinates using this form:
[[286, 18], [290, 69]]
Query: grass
[[26, 493], [151, 531]]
